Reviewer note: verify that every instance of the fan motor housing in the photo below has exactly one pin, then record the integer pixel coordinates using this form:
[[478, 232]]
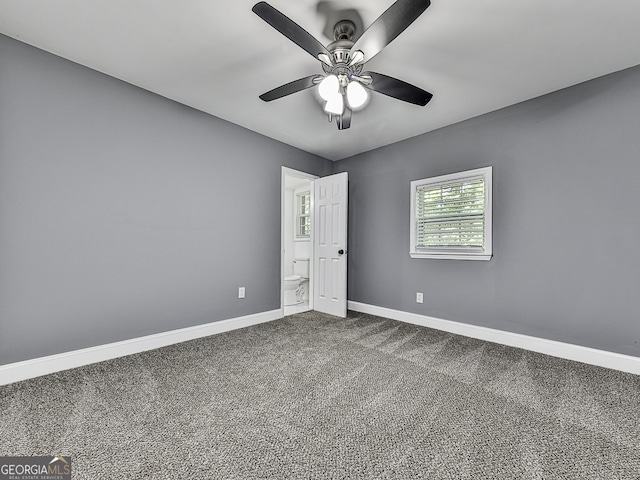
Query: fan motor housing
[[340, 51], [343, 32]]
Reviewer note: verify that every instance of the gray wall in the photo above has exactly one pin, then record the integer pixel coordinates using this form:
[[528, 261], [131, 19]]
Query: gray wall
[[566, 260], [124, 214]]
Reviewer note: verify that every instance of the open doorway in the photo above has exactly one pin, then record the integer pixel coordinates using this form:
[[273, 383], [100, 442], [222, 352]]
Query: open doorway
[[296, 241]]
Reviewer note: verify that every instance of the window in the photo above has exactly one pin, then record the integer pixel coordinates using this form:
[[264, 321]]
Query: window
[[303, 215], [451, 216]]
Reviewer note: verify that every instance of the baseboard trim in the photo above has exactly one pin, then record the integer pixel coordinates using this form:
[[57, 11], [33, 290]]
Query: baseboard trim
[[15, 372], [592, 356]]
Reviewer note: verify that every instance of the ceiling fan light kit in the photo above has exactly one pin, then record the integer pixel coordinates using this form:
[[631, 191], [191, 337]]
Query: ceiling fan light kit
[[328, 87], [344, 85], [357, 96], [335, 105]]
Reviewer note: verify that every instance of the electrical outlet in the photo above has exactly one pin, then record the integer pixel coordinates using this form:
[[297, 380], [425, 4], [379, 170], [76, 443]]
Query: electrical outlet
[[419, 297], [240, 292]]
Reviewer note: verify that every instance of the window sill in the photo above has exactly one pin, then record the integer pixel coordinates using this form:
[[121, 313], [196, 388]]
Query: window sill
[[452, 256]]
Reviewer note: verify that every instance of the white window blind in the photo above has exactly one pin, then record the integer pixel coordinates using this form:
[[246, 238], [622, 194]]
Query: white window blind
[[451, 215]]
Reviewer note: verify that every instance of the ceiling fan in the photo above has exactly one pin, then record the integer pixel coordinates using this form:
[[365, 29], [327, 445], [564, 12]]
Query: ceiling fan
[[343, 86]]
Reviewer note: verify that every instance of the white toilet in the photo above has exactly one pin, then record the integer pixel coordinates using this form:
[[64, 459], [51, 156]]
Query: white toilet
[[295, 286]]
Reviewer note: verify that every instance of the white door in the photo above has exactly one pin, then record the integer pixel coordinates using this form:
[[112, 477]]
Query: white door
[[330, 244]]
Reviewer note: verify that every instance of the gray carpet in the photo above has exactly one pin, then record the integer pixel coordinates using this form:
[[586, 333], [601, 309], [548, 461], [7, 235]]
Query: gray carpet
[[313, 396]]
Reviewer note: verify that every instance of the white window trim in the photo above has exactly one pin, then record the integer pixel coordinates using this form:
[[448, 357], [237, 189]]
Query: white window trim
[[296, 217], [451, 253]]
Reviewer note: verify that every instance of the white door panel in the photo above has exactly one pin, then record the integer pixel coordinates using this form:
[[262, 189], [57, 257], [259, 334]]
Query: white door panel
[[330, 244]]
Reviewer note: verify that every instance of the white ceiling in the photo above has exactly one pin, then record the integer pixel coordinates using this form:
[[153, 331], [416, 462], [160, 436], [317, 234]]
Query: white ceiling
[[475, 56]]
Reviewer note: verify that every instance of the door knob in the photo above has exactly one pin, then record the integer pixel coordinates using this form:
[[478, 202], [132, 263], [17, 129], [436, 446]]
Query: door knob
[[341, 252]]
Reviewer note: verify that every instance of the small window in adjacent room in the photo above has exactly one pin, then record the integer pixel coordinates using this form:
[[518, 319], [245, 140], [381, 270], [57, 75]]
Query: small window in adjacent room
[[451, 216], [303, 215]]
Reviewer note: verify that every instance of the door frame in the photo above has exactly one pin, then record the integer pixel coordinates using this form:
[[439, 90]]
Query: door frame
[[290, 172]]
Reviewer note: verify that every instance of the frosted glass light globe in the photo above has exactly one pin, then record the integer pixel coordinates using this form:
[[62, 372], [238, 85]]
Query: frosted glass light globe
[[356, 95], [329, 86], [335, 104]]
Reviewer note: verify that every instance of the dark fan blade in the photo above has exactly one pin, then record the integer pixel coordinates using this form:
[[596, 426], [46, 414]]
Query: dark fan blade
[[344, 120], [289, 88], [388, 26], [289, 29], [397, 89]]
